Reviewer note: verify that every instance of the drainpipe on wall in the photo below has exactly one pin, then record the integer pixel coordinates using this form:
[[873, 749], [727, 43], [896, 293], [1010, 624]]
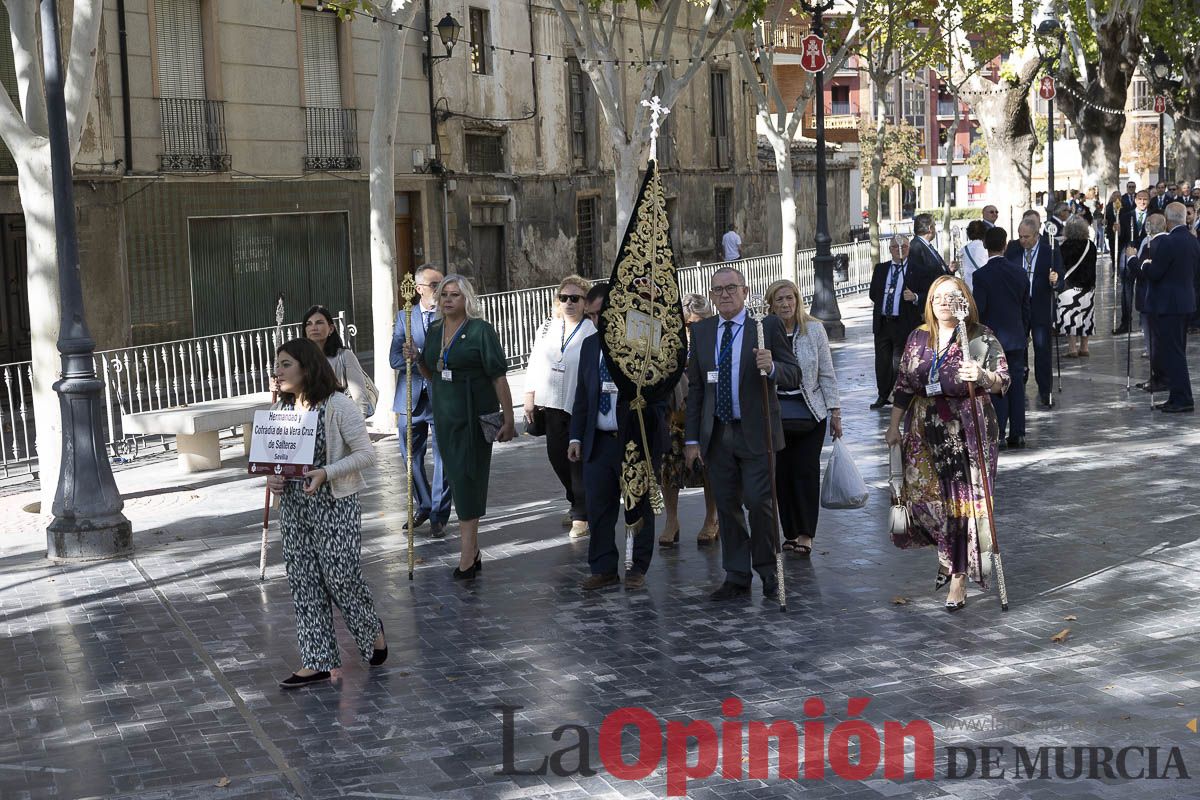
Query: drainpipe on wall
[[126, 121], [433, 138]]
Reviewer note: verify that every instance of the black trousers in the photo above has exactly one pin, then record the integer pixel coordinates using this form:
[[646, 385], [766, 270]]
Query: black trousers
[[1010, 406], [1171, 343], [742, 478], [570, 473], [602, 476], [798, 480], [889, 346], [1043, 359]]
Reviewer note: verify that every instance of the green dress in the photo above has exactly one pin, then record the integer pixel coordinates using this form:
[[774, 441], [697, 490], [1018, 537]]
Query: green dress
[[475, 359]]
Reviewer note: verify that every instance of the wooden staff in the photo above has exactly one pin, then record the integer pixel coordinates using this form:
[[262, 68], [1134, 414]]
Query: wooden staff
[[1053, 237], [959, 303], [1129, 327], [766, 412], [408, 288], [262, 554]]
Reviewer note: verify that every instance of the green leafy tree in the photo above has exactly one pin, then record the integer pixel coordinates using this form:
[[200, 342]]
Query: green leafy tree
[[1176, 37], [900, 144]]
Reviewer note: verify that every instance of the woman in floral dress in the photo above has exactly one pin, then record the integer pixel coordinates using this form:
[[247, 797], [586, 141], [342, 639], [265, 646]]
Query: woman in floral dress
[[943, 488]]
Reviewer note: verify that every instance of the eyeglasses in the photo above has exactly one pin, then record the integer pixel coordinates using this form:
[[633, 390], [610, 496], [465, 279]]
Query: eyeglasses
[[570, 298], [729, 288], [432, 286]]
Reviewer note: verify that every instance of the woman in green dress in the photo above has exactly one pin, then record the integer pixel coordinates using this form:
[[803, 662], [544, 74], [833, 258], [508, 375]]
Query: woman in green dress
[[465, 366]]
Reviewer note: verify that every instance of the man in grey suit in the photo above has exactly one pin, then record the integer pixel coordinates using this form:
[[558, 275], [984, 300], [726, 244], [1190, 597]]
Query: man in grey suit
[[432, 500], [726, 430]]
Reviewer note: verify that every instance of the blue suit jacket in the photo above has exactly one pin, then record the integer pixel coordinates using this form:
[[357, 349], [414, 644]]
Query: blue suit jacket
[[1172, 273], [1041, 302], [587, 406], [422, 409], [1002, 297]]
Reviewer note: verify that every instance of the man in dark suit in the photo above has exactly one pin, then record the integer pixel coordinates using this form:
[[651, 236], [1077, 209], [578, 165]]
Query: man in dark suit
[[1131, 230], [601, 425], [432, 500], [1031, 252], [1171, 299], [893, 319], [726, 428], [925, 263], [1156, 228], [1002, 297], [1129, 196]]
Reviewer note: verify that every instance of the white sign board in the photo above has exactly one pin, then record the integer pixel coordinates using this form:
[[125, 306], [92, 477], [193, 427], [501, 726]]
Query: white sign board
[[283, 442]]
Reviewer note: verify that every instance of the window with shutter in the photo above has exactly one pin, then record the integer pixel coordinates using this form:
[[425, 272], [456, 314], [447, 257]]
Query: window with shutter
[[322, 81], [719, 99], [180, 49]]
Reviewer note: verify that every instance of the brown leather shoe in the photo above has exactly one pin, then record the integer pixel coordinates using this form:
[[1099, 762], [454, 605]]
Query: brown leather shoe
[[635, 580], [599, 581]]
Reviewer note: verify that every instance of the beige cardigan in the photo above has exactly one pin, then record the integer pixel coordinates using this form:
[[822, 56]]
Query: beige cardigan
[[348, 449]]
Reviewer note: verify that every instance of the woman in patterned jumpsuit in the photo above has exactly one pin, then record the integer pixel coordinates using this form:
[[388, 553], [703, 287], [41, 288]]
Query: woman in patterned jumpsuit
[[321, 520]]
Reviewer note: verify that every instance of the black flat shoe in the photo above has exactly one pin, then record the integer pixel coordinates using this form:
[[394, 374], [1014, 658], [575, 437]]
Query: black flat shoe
[[878, 404], [730, 591], [295, 681], [952, 607], [379, 654]]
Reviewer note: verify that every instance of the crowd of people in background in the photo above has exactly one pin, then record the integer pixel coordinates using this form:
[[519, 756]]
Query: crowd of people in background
[[952, 339]]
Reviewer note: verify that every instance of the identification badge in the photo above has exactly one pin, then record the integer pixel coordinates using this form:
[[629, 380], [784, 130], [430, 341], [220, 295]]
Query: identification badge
[[558, 368], [933, 388], [713, 375], [608, 387], [447, 375]]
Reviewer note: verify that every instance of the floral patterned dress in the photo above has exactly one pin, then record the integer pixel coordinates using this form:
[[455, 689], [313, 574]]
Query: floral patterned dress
[[943, 488]]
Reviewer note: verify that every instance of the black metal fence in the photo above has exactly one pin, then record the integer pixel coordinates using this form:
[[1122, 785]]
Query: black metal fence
[[193, 135], [332, 137]]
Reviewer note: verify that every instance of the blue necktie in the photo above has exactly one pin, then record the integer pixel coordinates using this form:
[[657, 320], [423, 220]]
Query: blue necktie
[[889, 299], [725, 375], [605, 397], [427, 316]]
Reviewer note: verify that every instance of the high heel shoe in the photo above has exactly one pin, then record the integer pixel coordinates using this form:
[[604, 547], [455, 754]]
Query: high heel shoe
[[708, 535], [666, 542], [379, 654], [470, 573], [941, 580]]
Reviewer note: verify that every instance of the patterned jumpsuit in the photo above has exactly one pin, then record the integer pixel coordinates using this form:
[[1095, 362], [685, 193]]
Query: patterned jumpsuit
[[321, 540]]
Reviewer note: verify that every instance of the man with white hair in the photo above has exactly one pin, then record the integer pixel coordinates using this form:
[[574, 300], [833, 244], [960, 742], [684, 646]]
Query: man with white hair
[[1171, 298], [893, 319]]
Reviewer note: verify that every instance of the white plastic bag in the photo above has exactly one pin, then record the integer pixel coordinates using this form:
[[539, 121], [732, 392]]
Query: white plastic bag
[[843, 486]]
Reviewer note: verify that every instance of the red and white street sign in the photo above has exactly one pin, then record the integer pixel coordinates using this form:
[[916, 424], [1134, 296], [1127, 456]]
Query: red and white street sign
[[812, 53], [1046, 88], [1160, 104]]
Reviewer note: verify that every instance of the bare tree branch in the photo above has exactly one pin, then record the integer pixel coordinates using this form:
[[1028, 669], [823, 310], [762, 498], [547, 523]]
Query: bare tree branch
[[81, 66]]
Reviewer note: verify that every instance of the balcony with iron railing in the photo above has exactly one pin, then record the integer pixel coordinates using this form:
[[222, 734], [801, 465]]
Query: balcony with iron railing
[[193, 135], [331, 135]]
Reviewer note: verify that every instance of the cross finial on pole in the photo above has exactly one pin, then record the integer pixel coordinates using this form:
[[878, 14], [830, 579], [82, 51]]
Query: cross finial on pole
[[657, 110]]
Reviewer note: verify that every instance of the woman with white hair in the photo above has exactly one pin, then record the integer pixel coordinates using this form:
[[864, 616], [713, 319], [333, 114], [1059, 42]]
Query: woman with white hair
[[1076, 302], [465, 365]]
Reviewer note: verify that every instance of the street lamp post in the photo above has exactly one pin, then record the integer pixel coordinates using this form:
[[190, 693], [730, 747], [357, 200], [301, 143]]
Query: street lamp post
[[448, 30], [88, 523], [824, 303], [1050, 26], [1160, 65]]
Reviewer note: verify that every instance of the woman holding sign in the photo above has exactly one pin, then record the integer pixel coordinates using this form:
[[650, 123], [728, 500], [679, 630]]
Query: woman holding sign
[[472, 405], [321, 520]]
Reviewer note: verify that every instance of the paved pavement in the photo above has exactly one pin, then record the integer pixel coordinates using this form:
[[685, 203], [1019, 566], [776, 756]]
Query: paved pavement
[[155, 677]]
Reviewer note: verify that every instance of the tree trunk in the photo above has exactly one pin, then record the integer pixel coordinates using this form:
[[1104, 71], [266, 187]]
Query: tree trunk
[[41, 253], [1187, 149], [1007, 123], [876, 169], [626, 160], [948, 158], [1100, 152], [382, 188], [787, 204]]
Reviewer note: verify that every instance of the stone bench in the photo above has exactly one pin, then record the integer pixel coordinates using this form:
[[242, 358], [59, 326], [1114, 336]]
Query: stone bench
[[197, 427]]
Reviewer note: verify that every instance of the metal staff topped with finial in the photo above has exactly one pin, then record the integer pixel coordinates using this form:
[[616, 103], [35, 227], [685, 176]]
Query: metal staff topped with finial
[[408, 288], [759, 305], [960, 308], [262, 555]]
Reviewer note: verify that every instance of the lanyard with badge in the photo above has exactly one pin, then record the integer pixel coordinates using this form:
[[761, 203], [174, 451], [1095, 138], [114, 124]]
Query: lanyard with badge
[[725, 353], [934, 387], [447, 375], [563, 341]]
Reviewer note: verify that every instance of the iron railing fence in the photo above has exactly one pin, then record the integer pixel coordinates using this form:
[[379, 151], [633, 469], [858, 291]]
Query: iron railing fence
[[193, 135], [331, 135], [171, 374]]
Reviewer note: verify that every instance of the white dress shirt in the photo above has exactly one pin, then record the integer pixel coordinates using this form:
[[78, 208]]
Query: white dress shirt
[[974, 255], [735, 354]]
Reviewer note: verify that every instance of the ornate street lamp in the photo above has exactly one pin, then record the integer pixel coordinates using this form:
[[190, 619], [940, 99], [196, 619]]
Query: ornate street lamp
[[88, 523], [1050, 27], [448, 29], [824, 303], [1160, 67]]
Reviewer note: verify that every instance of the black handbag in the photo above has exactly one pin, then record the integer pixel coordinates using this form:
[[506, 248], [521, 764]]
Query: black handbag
[[536, 426]]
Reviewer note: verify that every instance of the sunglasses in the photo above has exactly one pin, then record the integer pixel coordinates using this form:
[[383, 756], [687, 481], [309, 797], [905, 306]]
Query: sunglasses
[[570, 298]]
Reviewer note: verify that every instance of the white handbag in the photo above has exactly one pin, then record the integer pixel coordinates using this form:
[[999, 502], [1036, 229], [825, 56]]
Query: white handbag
[[898, 516]]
